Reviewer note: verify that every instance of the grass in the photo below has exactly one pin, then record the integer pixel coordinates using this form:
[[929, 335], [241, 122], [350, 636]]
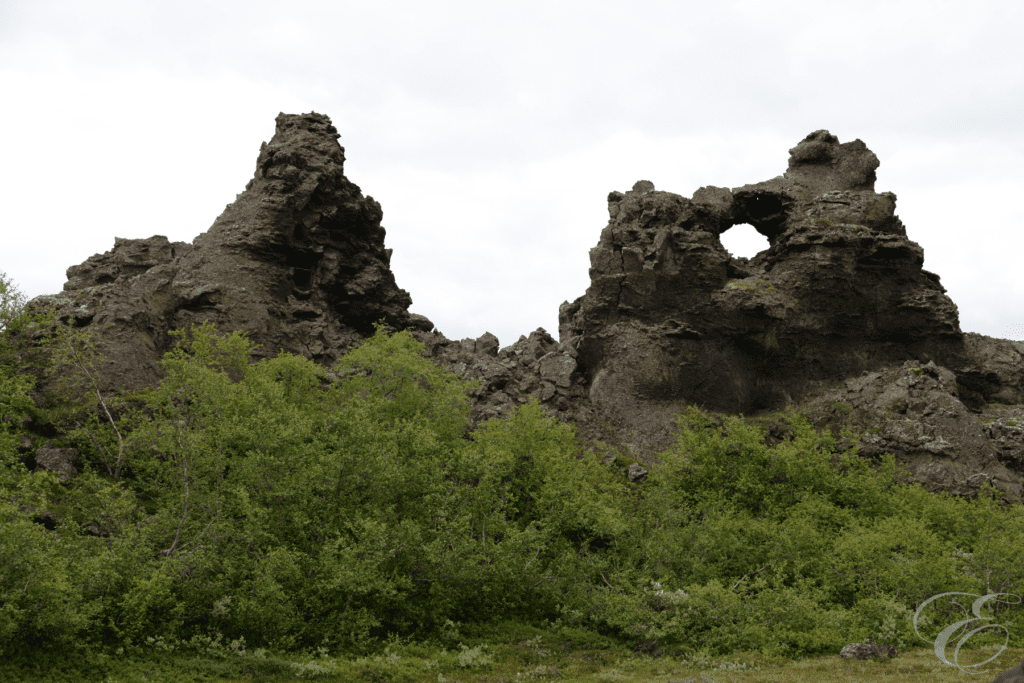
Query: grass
[[567, 656]]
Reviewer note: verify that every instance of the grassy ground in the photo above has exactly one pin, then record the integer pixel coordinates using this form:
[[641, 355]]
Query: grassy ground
[[544, 657]]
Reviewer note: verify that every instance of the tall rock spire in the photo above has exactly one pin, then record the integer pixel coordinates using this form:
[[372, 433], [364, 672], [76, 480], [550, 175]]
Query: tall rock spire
[[297, 262]]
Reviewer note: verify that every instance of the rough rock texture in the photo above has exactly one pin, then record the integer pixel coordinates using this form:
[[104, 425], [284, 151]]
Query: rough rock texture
[[868, 650], [57, 460], [533, 366], [671, 317], [915, 412], [297, 261]]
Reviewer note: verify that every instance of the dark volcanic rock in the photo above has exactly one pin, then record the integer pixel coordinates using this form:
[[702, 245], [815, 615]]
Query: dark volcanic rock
[[836, 319], [671, 315], [59, 460], [916, 413], [533, 366], [297, 262], [672, 319]]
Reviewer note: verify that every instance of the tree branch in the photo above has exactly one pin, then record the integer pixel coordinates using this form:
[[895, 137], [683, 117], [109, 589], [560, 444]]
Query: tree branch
[[177, 535], [750, 574]]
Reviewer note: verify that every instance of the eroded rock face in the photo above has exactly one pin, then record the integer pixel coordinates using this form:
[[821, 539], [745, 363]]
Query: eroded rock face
[[297, 261], [533, 366], [915, 411], [671, 318], [670, 314]]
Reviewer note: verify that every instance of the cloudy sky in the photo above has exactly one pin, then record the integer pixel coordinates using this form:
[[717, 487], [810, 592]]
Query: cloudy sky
[[491, 133]]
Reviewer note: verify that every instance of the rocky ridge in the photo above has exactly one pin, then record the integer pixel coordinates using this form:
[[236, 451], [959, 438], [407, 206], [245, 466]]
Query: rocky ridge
[[837, 318]]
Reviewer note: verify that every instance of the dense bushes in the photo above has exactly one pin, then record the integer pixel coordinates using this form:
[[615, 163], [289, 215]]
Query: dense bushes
[[794, 549], [279, 505], [330, 511]]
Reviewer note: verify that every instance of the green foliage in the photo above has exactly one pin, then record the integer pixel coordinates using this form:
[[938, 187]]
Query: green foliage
[[37, 344], [893, 555], [818, 548], [298, 510], [765, 480], [277, 506], [12, 302], [14, 388], [42, 577], [14, 404], [713, 618]]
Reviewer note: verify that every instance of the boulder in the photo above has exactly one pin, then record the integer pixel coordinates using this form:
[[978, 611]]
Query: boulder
[[868, 650], [57, 460], [636, 473]]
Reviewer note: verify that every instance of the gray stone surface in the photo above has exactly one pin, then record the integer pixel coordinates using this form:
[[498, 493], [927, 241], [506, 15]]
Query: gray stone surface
[[57, 460], [868, 650], [297, 262]]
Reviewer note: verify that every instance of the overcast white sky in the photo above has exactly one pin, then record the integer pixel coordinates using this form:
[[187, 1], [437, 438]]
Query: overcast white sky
[[491, 133]]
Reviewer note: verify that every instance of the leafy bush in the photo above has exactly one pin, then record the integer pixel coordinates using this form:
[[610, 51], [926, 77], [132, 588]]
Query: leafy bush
[[737, 467], [286, 506], [290, 509], [791, 549], [42, 577]]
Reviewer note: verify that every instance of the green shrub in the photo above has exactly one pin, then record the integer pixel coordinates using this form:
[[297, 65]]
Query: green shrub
[[287, 509], [279, 505], [894, 556], [42, 576], [767, 480]]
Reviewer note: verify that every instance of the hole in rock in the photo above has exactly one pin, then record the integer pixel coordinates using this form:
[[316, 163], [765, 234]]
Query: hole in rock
[[743, 241], [302, 277], [303, 264]]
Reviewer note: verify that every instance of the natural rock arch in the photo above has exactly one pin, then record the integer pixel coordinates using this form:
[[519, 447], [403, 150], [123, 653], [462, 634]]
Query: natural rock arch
[[672, 319]]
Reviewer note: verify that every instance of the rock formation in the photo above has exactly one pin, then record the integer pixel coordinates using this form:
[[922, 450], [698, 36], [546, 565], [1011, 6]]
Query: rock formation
[[297, 262], [672, 319], [837, 318], [58, 460]]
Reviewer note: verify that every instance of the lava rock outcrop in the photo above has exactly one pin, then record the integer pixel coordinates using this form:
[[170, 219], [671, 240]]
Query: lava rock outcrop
[[837, 319], [297, 262], [671, 318], [916, 412]]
